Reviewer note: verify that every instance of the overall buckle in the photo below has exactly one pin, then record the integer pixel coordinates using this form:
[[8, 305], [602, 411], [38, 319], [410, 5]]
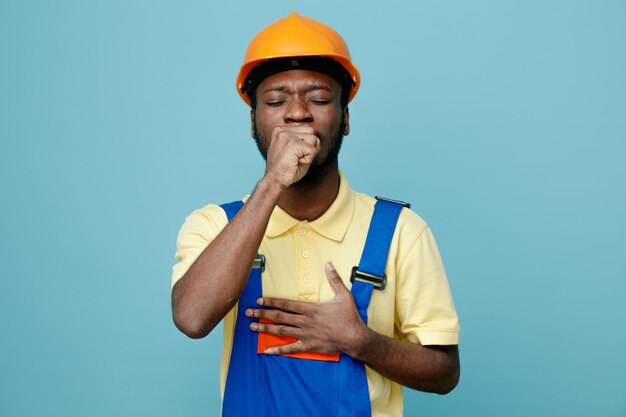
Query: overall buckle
[[259, 263], [389, 200], [379, 283]]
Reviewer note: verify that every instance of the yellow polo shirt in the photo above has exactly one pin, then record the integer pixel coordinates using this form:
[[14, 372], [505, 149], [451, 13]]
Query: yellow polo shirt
[[416, 305]]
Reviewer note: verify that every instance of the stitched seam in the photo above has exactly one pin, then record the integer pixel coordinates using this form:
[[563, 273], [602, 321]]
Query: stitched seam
[[410, 248]]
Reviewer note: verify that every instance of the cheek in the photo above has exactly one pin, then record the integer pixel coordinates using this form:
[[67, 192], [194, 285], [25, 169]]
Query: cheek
[[331, 123], [267, 120]]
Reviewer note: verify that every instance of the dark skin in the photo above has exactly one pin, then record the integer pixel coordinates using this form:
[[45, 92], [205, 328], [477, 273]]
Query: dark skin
[[297, 116]]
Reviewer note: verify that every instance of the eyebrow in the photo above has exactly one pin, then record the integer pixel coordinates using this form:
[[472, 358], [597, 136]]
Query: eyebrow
[[312, 87]]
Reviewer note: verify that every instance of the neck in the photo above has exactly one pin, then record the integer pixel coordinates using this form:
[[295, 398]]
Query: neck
[[309, 198]]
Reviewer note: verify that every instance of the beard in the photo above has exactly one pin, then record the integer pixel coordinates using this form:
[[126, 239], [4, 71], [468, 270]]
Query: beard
[[318, 167]]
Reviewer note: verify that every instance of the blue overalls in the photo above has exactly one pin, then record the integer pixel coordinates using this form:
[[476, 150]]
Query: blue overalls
[[260, 385]]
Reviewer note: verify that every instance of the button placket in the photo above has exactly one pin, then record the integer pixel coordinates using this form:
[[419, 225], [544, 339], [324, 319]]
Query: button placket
[[306, 270]]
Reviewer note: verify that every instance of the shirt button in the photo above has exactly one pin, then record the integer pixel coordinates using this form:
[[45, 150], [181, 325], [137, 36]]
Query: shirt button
[[307, 279], [302, 231], [305, 253]]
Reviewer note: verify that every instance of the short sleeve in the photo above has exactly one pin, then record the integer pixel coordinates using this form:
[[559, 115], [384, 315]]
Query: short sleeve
[[199, 229], [425, 311]]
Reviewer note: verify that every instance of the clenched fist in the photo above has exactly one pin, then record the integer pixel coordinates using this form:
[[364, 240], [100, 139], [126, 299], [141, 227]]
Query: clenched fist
[[290, 154]]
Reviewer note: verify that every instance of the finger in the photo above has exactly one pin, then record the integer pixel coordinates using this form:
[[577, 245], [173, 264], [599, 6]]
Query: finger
[[310, 140], [290, 348], [277, 329], [300, 133], [307, 158], [277, 316], [285, 305], [334, 279], [297, 129], [304, 149], [313, 143]]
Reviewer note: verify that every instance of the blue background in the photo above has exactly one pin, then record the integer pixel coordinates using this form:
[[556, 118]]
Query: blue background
[[503, 122]]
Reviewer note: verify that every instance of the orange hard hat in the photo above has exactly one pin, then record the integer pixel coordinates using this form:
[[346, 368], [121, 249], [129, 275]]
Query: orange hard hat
[[296, 36]]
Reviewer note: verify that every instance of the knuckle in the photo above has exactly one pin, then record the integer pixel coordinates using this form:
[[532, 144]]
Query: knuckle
[[281, 136], [282, 331]]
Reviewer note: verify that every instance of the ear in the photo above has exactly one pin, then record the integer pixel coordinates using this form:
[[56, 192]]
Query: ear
[[346, 121], [252, 124]]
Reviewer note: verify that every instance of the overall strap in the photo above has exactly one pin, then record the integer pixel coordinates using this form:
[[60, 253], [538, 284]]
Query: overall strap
[[370, 274], [244, 371], [258, 263], [232, 208]]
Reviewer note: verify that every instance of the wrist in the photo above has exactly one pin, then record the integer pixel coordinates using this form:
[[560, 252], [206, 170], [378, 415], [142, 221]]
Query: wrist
[[270, 187], [363, 343], [276, 179]]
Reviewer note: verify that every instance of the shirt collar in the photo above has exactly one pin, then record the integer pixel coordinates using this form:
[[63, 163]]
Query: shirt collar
[[333, 224]]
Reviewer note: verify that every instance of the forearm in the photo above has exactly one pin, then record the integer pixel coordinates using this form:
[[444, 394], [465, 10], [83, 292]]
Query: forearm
[[425, 368], [213, 284]]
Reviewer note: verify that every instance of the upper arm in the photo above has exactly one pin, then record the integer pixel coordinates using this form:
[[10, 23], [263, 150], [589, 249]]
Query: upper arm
[[425, 311], [199, 229]]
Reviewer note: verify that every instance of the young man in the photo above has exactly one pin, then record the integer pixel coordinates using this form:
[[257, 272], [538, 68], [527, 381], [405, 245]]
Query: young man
[[331, 300]]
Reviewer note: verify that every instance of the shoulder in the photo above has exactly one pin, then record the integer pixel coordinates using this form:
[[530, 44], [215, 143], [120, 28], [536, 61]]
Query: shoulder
[[209, 215], [410, 225], [205, 222]]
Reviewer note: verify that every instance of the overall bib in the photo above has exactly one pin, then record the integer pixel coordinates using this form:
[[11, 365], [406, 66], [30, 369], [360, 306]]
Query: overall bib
[[260, 385]]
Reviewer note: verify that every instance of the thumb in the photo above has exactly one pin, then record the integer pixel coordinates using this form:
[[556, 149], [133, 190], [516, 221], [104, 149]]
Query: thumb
[[334, 279]]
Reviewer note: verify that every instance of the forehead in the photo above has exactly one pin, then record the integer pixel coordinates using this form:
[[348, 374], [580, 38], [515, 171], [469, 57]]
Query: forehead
[[298, 80]]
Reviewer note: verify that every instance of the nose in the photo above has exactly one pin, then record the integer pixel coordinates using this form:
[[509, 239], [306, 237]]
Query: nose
[[298, 112]]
